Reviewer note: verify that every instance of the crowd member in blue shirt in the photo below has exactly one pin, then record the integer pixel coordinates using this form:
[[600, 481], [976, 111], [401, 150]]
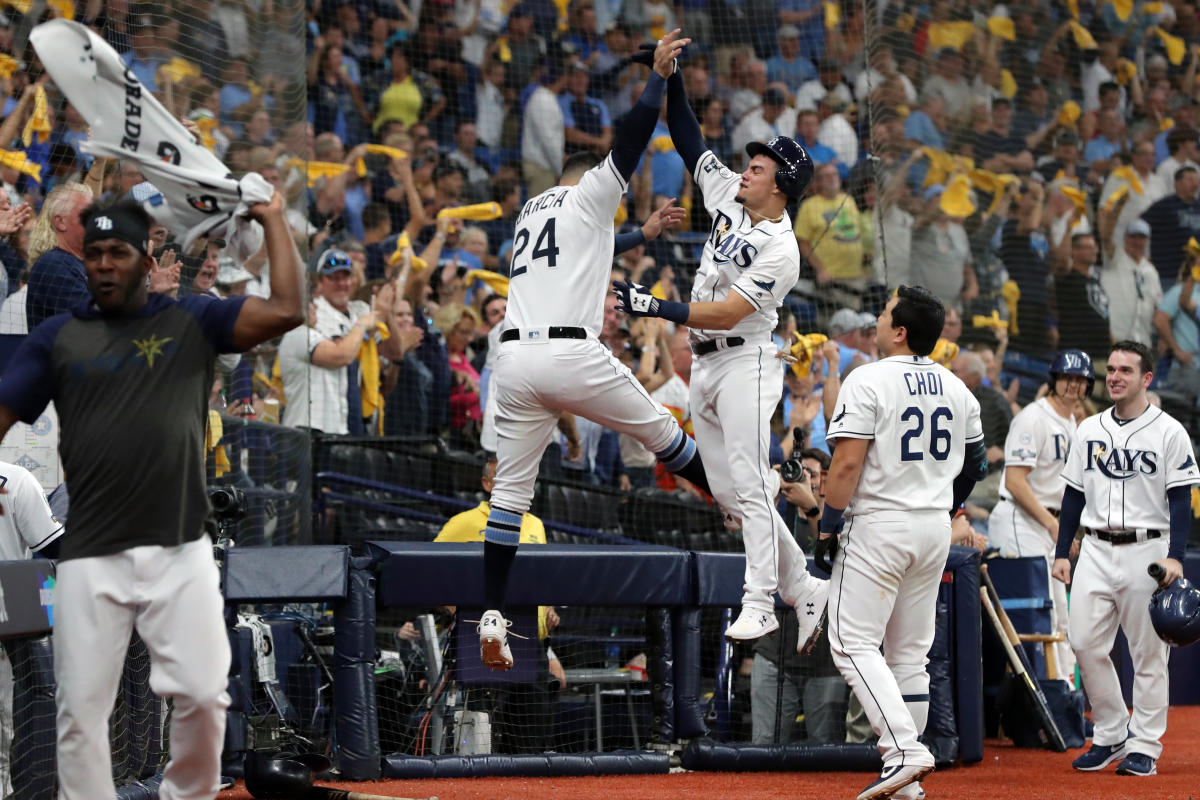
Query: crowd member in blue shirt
[[789, 66], [586, 121], [1173, 220]]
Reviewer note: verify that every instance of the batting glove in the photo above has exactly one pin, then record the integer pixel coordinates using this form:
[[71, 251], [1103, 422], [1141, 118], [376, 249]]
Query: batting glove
[[644, 55], [635, 299], [824, 552]]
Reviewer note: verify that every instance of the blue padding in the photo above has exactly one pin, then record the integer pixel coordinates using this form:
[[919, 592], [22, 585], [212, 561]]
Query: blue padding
[[620, 762], [685, 633], [719, 579], [262, 574], [660, 670], [705, 754], [425, 573], [965, 653], [356, 725]]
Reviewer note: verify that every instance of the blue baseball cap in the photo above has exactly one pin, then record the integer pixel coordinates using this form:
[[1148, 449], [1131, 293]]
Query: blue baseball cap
[[333, 261]]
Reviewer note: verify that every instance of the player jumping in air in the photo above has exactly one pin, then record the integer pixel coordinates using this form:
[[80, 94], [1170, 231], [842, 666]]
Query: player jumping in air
[[750, 262], [550, 360]]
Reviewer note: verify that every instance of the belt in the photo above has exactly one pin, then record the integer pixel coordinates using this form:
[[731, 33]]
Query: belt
[[1124, 537], [553, 332], [711, 346]]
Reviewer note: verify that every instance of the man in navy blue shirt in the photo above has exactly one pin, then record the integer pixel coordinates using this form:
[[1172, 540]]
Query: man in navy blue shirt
[[57, 281], [1173, 220], [129, 373]]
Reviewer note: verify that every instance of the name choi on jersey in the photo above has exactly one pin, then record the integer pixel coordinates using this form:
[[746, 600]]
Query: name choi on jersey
[[1120, 464], [919, 383], [727, 246]]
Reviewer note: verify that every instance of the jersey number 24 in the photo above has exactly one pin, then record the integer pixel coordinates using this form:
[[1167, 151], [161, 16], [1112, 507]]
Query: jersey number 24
[[544, 247], [911, 445]]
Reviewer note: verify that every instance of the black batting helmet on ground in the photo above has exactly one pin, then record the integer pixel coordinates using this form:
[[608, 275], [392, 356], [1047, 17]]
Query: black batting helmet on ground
[[1175, 613], [795, 170]]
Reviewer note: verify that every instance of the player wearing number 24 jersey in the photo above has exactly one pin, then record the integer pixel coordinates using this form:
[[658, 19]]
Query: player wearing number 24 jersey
[[908, 449], [550, 360]]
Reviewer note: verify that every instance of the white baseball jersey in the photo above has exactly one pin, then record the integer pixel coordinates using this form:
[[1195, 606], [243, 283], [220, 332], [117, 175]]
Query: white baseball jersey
[[562, 253], [1125, 470], [920, 418], [27, 524], [1040, 439], [760, 262]]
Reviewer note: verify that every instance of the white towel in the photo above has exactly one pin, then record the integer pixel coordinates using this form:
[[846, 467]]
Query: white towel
[[127, 122]]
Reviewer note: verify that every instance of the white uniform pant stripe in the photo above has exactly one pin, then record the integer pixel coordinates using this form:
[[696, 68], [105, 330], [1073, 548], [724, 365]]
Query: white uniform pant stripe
[[171, 596], [1111, 588], [734, 442], [883, 592]]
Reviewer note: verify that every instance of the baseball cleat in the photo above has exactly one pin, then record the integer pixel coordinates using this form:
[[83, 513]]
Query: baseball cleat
[[893, 779], [810, 611], [914, 791], [1099, 757], [1138, 764], [751, 624], [493, 641]]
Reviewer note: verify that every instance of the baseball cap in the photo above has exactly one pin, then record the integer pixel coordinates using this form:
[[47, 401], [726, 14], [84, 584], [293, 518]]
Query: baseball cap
[[333, 261], [845, 320], [230, 272], [1067, 137], [1138, 227], [789, 32], [773, 97], [933, 191]]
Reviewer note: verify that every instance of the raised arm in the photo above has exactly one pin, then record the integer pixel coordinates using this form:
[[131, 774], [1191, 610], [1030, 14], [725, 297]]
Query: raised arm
[[634, 133], [261, 320], [685, 128]]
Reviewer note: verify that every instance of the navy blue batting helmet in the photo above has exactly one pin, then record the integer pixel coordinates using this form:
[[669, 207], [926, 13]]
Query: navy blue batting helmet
[[1175, 613], [795, 170], [1073, 362]]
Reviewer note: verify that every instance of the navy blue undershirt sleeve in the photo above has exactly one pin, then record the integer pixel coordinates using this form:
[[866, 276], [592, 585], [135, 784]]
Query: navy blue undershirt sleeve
[[628, 241], [216, 318], [1068, 521], [974, 469], [635, 129], [685, 128], [28, 382], [1179, 500]]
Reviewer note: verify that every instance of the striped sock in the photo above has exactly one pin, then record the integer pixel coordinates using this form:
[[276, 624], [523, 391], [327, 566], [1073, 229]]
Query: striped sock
[[683, 459]]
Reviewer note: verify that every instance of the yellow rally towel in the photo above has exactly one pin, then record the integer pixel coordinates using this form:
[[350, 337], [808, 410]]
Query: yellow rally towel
[[38, 127], [503, 51], [360, 168], [1123, 8], [833, 15], [662, 144], [277, 381], [1130, 176], [1083, 37], [994, 322], [944, 352], [802, 351], [495, 281], [942, 165], [368, 365], [1073, 8], [1075, 196], [1126, 70], [476, 211], [1176, 49], [20, 5], [384, 150], [1011, 294], [8, 65], [1152, 8], [1008, 84], [317, 170], [956, 199], [402, 244], [950, 34], [992, 183], [1068, 115], [1196, 501], [62, 8], [212, 434], [207, 123], [179, 68], [1115, 197], [1002, 27], [1192, 247], [1165, 124], [21, 163]]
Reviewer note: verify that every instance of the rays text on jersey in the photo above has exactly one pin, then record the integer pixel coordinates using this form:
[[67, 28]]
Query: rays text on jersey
[[728, 246], [1120, 463]]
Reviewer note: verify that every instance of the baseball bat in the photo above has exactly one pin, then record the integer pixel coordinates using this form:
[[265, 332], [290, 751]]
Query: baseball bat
[[1021, 666], [1157, 572], [329, 793], [476, 211]]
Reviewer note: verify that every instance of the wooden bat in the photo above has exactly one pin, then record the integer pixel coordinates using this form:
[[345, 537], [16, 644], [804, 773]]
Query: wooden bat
[[1016, 660], [329, 793]]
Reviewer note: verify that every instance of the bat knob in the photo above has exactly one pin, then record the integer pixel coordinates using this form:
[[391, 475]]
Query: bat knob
[[1156, 571]]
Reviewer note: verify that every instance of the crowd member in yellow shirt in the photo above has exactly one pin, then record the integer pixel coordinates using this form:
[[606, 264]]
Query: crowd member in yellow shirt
[[830, 234]]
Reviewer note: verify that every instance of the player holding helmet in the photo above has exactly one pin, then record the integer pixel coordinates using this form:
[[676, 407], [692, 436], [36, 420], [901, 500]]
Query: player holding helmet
[[750, 263], [1025, 521]]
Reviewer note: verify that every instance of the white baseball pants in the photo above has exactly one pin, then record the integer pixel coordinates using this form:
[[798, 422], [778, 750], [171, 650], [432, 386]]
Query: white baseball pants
[[171, 595], [1018, 535], [1111, 588], [534, 380], [733, 394], [883, 592]]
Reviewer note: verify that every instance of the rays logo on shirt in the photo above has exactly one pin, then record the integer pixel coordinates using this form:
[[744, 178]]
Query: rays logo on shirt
[[1120, 464], [729, 247]]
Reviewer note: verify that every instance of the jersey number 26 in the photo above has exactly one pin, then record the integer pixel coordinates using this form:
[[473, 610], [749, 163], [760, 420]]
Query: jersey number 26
[[544, 247], [939, 438]]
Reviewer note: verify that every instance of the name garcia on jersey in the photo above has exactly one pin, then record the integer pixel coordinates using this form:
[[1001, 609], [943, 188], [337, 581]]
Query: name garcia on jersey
[[1120, 463], [729, 247]]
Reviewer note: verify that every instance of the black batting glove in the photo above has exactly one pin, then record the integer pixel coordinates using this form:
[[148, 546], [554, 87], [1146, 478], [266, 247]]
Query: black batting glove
[[635, 299], [644, 55], [824, 552]]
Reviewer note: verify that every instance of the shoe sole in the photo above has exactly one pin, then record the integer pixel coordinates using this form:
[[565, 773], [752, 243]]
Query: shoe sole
[[1114, 757], [759, 635], [883, 791], [491, 652], [1131, 773]]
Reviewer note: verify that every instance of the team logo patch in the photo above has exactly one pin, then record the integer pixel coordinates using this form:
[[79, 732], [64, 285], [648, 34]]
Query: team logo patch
[[103, 223], [151, 348], [838, 418], [764, 285], [1191, 462], [1026, 438]]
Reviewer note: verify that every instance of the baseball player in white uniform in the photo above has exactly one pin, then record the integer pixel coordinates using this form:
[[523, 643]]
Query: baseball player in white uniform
[[549, 358], [1128, 480], [750, 262], [27, 526], [908, 449], [1025, 521]]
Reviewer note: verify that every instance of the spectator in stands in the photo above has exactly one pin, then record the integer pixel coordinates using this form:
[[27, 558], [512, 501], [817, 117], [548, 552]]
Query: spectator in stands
[[953, 326], [835, 131], [56, 280], [586, 121], [1035, 120], [1024, 249], [525, 49], [463, 157], [1065, 158], [829, 79], [1082, 302], [1142, 188], [1131, 284], [1182, 149], [999, 149], [773, 118], [789, 66], [829, 232], [941, 252], [927, 125], [1175, 322], [410, 381], [949, 83], [1183, 115], [808, 124], [491, 105], [994, 410], [1108, 142], [205, 281], [1173, 220], [748, 83], [457, 324], [854, 332], [872, 84], [335, 102], [542, 134], [410, 96]]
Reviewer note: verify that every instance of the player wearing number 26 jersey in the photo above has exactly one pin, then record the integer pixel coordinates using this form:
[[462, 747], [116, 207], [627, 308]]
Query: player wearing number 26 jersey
[[550, 360], [908, 449]]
